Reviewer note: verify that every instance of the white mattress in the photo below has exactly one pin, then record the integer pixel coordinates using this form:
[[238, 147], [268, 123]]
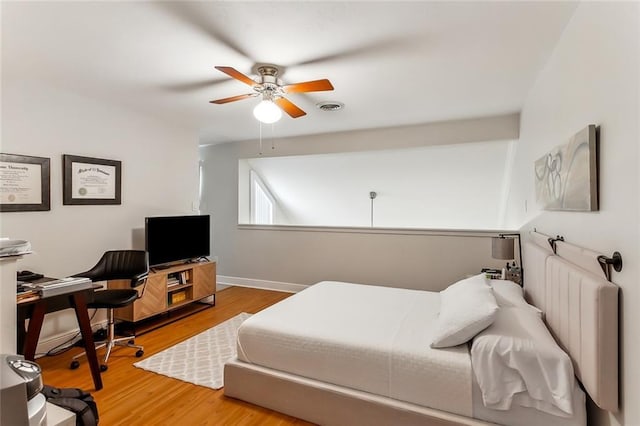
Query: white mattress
[[373, 339]]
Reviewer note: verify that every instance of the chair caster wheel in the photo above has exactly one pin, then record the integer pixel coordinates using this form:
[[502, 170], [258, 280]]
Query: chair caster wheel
[[74, 364], [131, 342], [103, 367], [139, 353]]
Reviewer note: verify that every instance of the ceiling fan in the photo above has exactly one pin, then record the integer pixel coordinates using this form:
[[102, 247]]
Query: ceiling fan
[[272, 90]]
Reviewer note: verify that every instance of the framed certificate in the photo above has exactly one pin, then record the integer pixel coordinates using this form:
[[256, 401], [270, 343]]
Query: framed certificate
[[24, 183], [91, 180]]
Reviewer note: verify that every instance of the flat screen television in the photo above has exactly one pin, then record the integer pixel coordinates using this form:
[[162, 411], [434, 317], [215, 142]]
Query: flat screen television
[[176, 238]]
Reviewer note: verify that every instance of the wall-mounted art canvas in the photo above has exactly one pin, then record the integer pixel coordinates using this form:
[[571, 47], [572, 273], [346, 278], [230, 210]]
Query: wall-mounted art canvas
[[567, 176]]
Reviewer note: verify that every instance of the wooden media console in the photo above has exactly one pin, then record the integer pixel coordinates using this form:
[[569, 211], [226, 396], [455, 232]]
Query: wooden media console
[[177, 288]]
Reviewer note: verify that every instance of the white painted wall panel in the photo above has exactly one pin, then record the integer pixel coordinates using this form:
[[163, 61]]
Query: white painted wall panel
[[593, 77]]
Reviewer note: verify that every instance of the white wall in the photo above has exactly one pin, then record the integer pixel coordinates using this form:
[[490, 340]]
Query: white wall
[[159, 176], [593, 78], [455, 186], [403, 259]]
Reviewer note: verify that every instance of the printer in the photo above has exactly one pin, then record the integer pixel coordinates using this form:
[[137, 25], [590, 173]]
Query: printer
[[21, 402]]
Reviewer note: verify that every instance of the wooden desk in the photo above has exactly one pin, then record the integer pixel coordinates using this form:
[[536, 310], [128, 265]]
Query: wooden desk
[[35, 310]]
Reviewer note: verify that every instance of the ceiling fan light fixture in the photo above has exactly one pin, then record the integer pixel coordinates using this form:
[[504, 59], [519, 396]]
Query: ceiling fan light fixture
[[267, 112], [272, 90]]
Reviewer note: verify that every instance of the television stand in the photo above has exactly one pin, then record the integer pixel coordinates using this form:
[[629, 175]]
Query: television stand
[[169, 288]]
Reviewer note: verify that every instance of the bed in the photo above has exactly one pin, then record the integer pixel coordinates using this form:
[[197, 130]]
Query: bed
[[367, 360]]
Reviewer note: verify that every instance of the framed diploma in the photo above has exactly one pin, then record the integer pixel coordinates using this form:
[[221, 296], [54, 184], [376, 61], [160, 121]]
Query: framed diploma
[[89, 180], [24, 183]]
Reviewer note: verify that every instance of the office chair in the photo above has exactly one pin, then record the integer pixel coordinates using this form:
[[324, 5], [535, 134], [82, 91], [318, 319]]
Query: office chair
[[116, 265]]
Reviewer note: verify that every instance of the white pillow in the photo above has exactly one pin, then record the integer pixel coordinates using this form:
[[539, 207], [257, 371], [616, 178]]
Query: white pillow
[[466, 308], [509, 294], [516, 361]]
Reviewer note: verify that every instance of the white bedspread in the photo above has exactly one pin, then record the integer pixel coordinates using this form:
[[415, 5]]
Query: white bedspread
[[374, 339]]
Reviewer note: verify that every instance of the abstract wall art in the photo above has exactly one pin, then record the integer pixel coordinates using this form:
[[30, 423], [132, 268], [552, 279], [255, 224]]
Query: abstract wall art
[[567, 176]]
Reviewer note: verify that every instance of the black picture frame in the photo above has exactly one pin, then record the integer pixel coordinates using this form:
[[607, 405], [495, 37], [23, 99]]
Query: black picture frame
[[72, 193], [9, 179]]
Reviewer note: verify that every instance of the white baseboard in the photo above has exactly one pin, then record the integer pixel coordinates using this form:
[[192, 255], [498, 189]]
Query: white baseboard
[[45, 345], [223, 281]]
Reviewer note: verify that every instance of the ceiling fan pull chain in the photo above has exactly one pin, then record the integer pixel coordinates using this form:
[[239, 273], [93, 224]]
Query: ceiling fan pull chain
[[272, 143], [260, 125]]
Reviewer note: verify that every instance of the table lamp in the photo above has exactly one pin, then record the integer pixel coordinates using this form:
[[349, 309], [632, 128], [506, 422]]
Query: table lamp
[[502, 247]]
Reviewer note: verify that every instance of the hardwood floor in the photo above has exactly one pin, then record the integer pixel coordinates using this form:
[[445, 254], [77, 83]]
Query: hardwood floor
[[132, 396]]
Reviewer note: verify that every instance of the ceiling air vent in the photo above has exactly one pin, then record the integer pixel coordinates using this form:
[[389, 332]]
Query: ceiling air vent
[[330, 106]]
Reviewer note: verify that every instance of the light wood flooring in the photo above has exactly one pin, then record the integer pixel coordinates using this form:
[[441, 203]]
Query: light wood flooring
[[132, 396]]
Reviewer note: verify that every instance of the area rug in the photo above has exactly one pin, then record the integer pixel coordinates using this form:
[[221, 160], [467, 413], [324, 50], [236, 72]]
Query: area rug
[[200, 359]]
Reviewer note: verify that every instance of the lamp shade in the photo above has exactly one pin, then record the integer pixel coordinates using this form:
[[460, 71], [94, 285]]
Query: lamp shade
[[267, 112], [502, 248]]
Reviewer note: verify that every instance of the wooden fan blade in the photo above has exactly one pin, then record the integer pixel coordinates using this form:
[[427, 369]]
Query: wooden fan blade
[[234, 73], [308, 86], [288, 107], [233, 98]]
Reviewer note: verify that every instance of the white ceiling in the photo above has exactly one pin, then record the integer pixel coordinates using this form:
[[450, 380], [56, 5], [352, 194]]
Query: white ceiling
[[391, 63]]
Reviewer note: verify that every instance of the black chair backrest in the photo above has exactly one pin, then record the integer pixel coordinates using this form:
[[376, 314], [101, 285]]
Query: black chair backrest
[[120, 265]]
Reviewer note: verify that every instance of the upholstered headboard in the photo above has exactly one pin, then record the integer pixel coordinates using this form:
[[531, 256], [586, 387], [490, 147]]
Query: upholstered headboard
[[581, 310], [535, 259]]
